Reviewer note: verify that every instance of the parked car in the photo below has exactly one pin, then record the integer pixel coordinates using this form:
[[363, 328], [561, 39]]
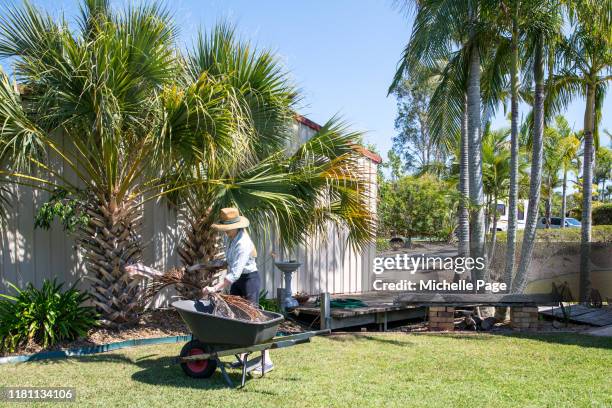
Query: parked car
[[555, 222]]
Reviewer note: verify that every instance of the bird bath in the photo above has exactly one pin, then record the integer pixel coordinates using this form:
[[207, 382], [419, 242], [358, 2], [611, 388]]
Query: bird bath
[[287, 268]]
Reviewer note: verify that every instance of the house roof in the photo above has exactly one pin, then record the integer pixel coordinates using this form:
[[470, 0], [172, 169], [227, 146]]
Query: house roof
[[358, 148]]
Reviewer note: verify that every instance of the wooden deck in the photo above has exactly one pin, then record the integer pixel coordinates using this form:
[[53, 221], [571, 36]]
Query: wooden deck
[[381, 309], [475, 299], [581, 314]]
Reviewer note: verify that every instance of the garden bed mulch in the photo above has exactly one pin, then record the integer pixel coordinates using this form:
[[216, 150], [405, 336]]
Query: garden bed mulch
[[152, 324]]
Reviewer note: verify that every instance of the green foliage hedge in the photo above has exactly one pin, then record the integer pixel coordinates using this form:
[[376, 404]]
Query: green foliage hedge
[[46, 316], [418, 206], [599, 233], [382, 244], [602, 214]]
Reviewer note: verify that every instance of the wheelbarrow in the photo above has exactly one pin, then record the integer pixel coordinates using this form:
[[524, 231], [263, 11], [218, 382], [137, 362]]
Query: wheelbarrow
[[214, 337]]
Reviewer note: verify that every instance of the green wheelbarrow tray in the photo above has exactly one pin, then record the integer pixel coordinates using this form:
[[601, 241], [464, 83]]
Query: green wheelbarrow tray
[[220, 331], [215, 337]]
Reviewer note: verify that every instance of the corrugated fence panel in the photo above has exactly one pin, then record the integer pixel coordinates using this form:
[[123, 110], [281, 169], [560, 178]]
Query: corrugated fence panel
[[32, 255]]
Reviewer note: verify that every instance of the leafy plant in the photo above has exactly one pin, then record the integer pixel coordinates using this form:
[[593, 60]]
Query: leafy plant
[[602, 214], [67, 209], [271, 305], [47, 315], [418, 207], [382, 244]]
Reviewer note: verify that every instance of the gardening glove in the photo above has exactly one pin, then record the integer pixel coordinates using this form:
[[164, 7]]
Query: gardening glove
[[209, 289]]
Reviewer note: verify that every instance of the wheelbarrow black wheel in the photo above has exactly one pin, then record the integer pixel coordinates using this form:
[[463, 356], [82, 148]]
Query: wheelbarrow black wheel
[[197, 368]]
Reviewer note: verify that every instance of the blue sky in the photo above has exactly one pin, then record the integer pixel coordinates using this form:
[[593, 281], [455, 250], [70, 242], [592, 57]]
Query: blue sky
[[342, 54]]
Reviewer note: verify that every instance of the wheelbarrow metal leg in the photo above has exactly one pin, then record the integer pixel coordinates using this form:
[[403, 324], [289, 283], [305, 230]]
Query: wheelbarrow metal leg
[[263, 362], [245, 361], [226, 377]]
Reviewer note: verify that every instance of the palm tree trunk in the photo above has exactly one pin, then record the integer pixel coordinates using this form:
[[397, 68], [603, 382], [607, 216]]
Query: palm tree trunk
[[587, 191], [477, 219], [491, 253], [200, 244], [549, 202], [111, 241], [488, 201], [514, 159], [564, 199], [464, 216], [519, 283]]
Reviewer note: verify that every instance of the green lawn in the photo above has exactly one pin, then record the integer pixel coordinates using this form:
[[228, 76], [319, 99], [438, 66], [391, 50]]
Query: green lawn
[[353, 370]]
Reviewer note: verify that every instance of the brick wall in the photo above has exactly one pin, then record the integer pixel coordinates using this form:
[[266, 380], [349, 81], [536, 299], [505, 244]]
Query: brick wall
[[441, 318], [524, 317]]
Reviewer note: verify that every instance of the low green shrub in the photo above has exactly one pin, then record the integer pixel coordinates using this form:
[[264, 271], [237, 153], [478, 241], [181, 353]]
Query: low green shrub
[[47, 316], [382, 244], [602, 214], [270, 305]]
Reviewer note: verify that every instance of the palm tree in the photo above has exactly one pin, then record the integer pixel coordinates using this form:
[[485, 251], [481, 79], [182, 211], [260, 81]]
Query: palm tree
[[516, 11], [496, 173], [100, 87], [536, 168], [458, 32], [542, 31], [139, 120], [588, 59], [279, 190], [560, 154], [506, 62]]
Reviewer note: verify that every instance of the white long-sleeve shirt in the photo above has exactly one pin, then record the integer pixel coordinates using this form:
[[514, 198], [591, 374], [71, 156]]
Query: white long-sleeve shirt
[[240, 256]]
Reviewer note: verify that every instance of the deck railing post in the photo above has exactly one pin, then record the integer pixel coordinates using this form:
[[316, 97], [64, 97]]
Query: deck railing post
[[325, 311]]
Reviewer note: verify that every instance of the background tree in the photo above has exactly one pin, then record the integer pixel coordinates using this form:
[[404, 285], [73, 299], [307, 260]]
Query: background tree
[[421, 207], [561, 148], [496, 176], [414, 142]]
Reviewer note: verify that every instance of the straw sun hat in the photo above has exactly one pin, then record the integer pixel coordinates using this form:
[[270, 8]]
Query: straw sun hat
[[229, 219]]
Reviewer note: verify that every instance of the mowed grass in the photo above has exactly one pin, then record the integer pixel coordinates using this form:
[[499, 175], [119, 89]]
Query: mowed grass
[[372, 370]]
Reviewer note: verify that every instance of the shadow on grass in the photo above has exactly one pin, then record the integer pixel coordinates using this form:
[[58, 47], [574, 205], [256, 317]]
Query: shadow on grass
[[165, 372], [383, 339], [160, 371], [570, 339]]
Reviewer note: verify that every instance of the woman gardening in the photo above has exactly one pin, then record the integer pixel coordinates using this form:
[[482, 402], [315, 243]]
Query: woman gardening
[[242, 276]]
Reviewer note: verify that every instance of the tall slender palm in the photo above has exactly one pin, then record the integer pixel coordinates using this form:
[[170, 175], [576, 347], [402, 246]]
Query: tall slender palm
[[520, 280], [459, 30], [542, 31], [561, 154], [588, 59], [502, 74], [507, 62]]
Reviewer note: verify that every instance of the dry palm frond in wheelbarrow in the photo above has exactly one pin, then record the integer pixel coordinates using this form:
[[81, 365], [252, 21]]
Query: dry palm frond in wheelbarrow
[[229, 306]]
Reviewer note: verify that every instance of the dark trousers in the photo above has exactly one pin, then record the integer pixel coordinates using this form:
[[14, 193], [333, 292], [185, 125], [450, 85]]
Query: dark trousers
[[248, 287]]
